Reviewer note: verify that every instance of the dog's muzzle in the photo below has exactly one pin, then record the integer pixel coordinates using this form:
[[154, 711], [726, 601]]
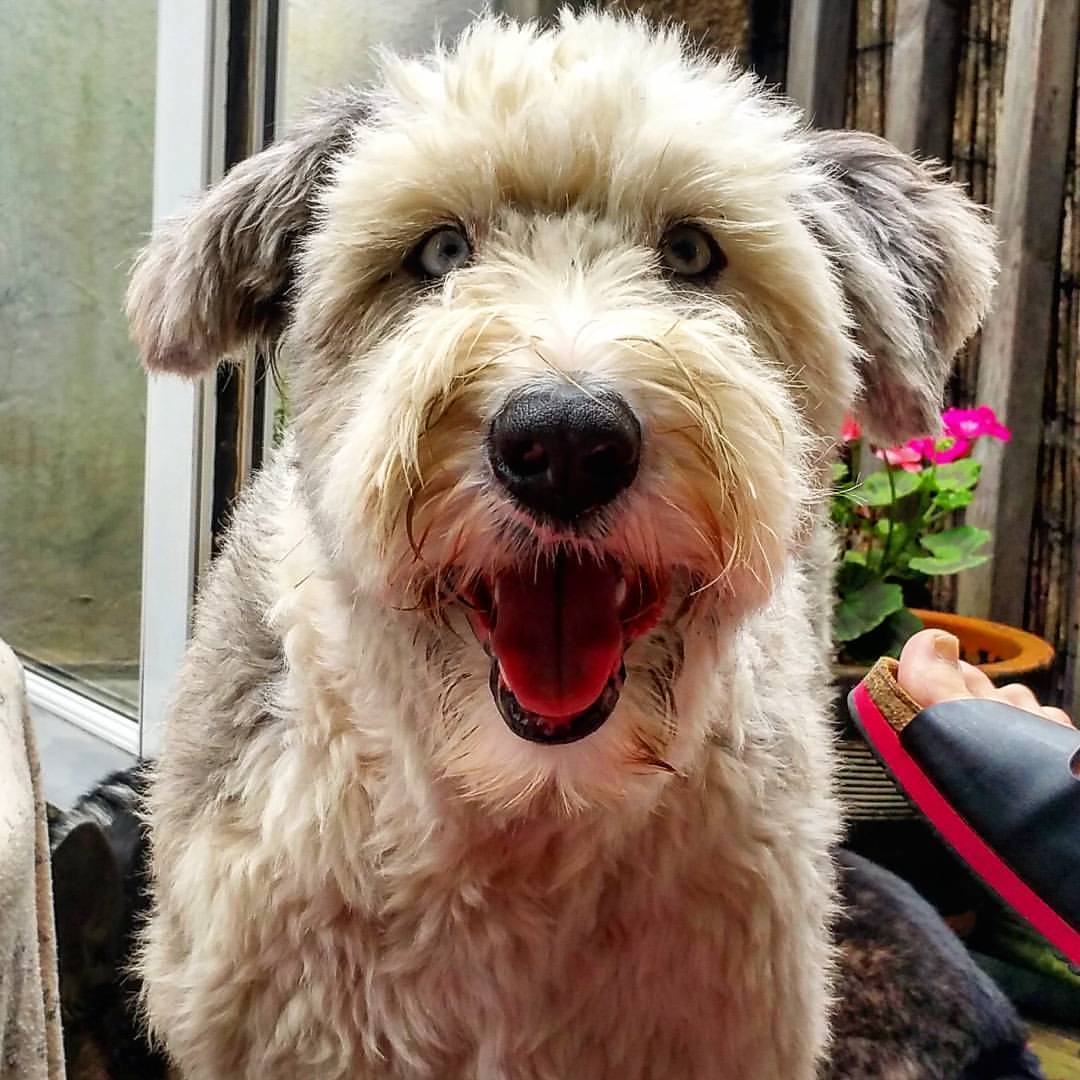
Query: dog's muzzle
[[556, 627]]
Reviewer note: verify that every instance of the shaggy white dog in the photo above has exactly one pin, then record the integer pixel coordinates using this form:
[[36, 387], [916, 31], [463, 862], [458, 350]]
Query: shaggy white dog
[[501, 747]]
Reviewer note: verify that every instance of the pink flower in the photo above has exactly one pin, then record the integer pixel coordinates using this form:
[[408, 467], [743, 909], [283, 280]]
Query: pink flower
[[903, 456], [849, 429], [940, 451], [974, 423]]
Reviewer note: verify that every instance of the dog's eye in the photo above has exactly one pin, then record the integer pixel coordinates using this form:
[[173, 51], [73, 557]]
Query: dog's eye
[[691, 252], [443, 250]]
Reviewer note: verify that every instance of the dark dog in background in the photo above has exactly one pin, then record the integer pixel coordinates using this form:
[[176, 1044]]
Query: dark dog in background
[[911, 1004], [99, 865]]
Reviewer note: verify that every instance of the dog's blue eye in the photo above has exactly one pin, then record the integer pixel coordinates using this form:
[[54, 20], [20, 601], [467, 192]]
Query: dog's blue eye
[[443, 250], [691, 252]]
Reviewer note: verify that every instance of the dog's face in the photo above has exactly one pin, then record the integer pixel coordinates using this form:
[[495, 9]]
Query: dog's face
[[571, 324]]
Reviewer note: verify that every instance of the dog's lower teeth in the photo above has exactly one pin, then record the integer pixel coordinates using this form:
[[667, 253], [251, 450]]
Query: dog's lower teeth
[[543, 729], [620, 592]]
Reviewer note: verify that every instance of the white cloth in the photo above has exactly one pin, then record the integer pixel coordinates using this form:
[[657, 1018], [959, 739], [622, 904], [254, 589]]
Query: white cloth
[[30, 1040]]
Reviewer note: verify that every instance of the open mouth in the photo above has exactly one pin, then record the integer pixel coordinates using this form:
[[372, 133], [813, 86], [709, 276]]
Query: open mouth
[[556, 632]]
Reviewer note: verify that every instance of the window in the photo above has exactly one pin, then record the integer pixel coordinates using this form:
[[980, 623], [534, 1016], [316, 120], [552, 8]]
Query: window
[[332, 42], [76, 175], [113, 487]]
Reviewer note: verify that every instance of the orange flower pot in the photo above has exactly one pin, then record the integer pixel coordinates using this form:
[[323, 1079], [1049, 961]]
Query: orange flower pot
[[1004, 653]]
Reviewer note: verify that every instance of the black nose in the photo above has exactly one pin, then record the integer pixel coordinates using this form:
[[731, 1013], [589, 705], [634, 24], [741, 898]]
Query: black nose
[[562, 452]]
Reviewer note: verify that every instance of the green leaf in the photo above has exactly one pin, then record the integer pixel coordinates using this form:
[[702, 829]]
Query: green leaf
[[937, 566], [885, 640], [952, 550], [852, 573], [963, 540], [861, 610], [901, 533], [875, 489], [952, 499], [839, 472], [899, 626], [959, 475]]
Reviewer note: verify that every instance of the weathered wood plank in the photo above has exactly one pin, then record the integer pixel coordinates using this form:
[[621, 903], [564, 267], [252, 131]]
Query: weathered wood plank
[[523, 10], [818, 49], [922, 79], [1032, 141]]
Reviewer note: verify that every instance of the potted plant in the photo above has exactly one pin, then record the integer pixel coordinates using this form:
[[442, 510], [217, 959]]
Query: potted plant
[[898, 532]]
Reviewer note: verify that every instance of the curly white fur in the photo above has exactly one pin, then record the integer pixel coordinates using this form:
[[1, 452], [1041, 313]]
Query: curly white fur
[[360, 871]]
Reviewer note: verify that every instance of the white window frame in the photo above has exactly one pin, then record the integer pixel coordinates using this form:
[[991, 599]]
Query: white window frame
[[77, 735]]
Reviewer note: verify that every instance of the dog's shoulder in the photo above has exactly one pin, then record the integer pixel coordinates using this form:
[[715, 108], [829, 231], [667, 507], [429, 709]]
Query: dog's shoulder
[[228, 688]]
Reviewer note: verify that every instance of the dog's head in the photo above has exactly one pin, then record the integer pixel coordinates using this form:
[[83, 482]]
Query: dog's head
[[571, 319]]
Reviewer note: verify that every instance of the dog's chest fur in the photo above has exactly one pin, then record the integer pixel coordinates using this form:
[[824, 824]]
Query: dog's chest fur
[[360, 921]]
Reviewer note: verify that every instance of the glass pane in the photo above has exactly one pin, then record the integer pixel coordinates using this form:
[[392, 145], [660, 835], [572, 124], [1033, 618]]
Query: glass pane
[[329, 42], [76, 156], [332, 43]]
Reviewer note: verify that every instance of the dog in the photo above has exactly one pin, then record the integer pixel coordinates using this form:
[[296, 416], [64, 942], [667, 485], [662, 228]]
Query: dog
[[909, 999], [500, 749], [100, 857]]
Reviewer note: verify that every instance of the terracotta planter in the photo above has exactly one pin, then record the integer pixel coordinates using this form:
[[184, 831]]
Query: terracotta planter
[[1005, 653]]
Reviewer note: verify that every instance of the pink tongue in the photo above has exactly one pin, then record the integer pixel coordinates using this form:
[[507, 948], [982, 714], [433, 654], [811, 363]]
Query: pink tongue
[[557, 635]]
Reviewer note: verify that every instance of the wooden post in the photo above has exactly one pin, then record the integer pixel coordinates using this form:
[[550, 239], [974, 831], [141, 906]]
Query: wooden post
[[1040, 76], [819, 45], [523, 10], [922, 79]]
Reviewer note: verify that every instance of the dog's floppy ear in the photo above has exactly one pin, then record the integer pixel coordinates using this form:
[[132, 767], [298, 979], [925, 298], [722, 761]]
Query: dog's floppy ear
[[916, 260], [220, 273], [88, 903]]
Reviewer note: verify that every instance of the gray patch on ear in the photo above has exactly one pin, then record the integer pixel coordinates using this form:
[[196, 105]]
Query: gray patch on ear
[[220, 273], [916, 261]]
